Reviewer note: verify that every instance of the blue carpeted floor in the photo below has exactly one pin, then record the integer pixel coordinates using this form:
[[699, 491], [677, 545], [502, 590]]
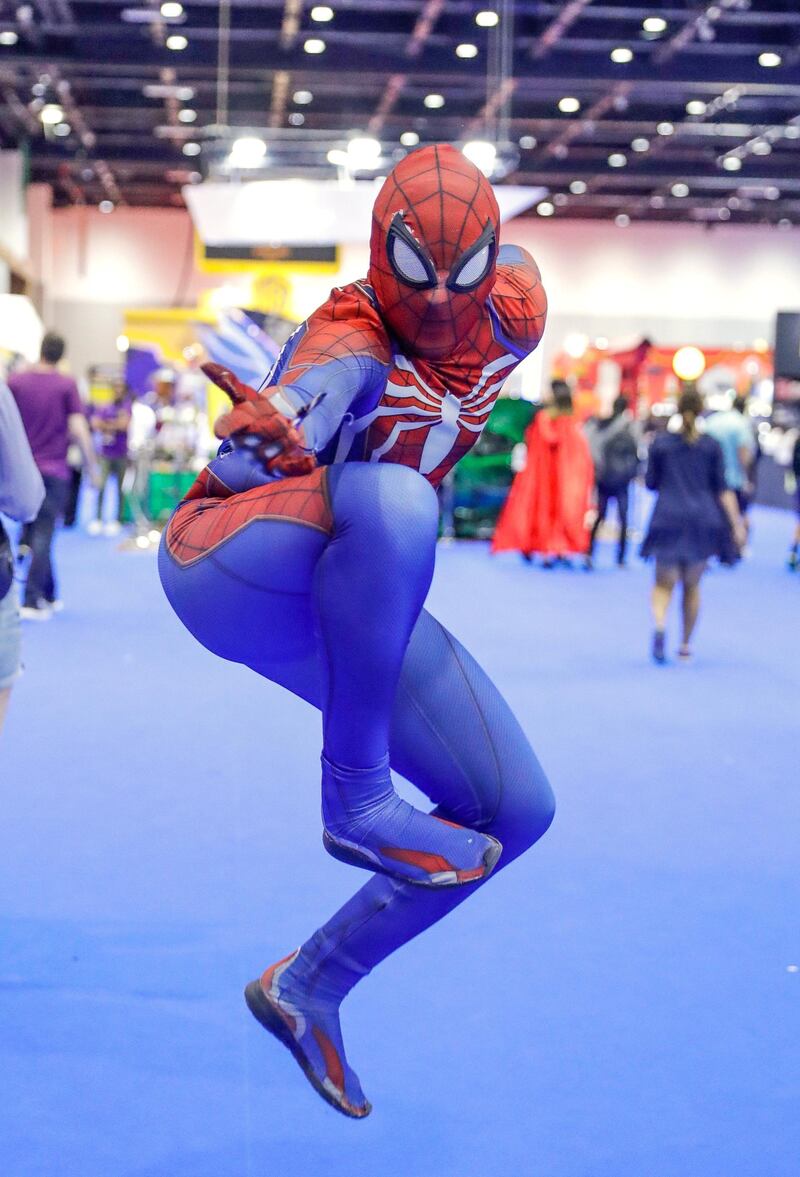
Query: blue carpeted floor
[[619, 1004]]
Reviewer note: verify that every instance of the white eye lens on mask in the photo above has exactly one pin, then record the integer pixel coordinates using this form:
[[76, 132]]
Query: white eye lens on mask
[[474, 269], [407, 263]]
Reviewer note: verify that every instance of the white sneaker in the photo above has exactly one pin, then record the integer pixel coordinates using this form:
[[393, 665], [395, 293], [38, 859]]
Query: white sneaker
[[95, 527], [56, 606], [35, 613], [112, 528]]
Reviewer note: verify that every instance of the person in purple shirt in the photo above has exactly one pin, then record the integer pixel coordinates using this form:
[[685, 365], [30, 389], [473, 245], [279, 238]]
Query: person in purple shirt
[[21, 495], [111, 423], [52, 413]]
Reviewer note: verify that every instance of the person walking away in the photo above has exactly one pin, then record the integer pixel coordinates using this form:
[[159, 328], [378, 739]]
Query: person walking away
[[111, 423], [52, 413], [21, 495], [794, 551], [615, 452], [695, 516], [731, 428], [549, 500]]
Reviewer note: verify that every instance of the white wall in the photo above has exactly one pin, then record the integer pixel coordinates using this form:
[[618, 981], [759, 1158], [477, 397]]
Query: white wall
[[664, 271], [13, 221], [130, 257]]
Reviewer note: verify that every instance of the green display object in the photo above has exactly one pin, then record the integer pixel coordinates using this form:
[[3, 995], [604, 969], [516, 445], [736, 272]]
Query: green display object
[[484, 475], [165, 489]]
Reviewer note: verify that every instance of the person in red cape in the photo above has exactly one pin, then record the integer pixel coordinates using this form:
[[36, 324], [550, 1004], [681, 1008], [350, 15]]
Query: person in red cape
[[546, 510]]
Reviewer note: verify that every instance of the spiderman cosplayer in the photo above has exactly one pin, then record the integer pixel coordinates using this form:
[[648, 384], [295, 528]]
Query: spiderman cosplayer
[[305, 551]]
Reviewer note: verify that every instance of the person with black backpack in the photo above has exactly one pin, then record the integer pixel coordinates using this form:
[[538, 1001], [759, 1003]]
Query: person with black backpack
[[615, 450]]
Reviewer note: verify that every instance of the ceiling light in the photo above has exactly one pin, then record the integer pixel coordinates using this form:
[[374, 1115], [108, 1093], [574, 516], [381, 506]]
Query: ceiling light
[[171, 10], [338, 157], [51, 114], [247, 152], [106, 206], [176, 42], [302, 97], [409, 138], [724, 214], [622, 55], [732, 163], [622, 220], [187, 115], [680, 189], [640, 145], [578, 187], [434, 101], [665, 128], [314, 45], [769, 60], [487, 19], [363, 154], [482, 153], [191, 149], [8, 37], [545, 208], [62, 130], [617, 160], [657, 201], [696, 107], [296, 119], [569, 105], [761, 147], [159, 90], [466, 50], [654, 24], [560, 199], [527, 142], [772, 193], [321, 13], [791, 132], [784, 223]]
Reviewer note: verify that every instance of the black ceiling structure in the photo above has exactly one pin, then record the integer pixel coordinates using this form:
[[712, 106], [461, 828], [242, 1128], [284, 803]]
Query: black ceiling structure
[[680, 112]]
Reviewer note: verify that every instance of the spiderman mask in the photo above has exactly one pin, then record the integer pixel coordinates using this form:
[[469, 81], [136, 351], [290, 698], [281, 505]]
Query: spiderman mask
[[433, 249]]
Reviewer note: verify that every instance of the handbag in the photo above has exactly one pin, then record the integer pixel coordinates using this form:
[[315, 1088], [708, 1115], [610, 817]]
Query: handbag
[[6, 564]]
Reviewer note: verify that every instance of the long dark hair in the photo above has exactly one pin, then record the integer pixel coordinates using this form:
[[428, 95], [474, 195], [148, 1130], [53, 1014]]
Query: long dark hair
[[562, 397], [690, 406]]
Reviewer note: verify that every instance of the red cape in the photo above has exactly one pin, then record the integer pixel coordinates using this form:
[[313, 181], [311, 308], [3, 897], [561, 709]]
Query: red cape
[[548, 502]]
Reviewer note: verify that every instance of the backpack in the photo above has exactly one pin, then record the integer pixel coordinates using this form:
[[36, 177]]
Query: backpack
[[620, 459]]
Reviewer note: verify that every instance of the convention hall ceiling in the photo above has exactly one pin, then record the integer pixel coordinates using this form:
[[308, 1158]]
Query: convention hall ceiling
[[622, 110]]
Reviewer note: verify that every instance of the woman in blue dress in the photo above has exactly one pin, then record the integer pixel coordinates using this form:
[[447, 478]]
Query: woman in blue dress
[[695, 517]]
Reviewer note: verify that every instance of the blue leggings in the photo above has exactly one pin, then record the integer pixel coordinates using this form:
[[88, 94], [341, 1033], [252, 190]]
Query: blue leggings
[[338, 620]]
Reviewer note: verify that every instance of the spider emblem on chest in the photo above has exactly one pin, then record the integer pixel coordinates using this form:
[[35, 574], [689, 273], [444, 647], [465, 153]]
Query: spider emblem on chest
[[424, 426]]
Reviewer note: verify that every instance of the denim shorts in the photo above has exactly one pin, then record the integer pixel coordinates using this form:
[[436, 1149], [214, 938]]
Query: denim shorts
[[10, 644]]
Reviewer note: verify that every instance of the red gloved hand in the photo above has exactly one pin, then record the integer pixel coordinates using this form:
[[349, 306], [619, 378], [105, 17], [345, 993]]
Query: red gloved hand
[[257, 425]]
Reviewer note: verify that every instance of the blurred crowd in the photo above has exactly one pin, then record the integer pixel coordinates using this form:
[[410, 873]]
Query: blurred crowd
[[702, 467]]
